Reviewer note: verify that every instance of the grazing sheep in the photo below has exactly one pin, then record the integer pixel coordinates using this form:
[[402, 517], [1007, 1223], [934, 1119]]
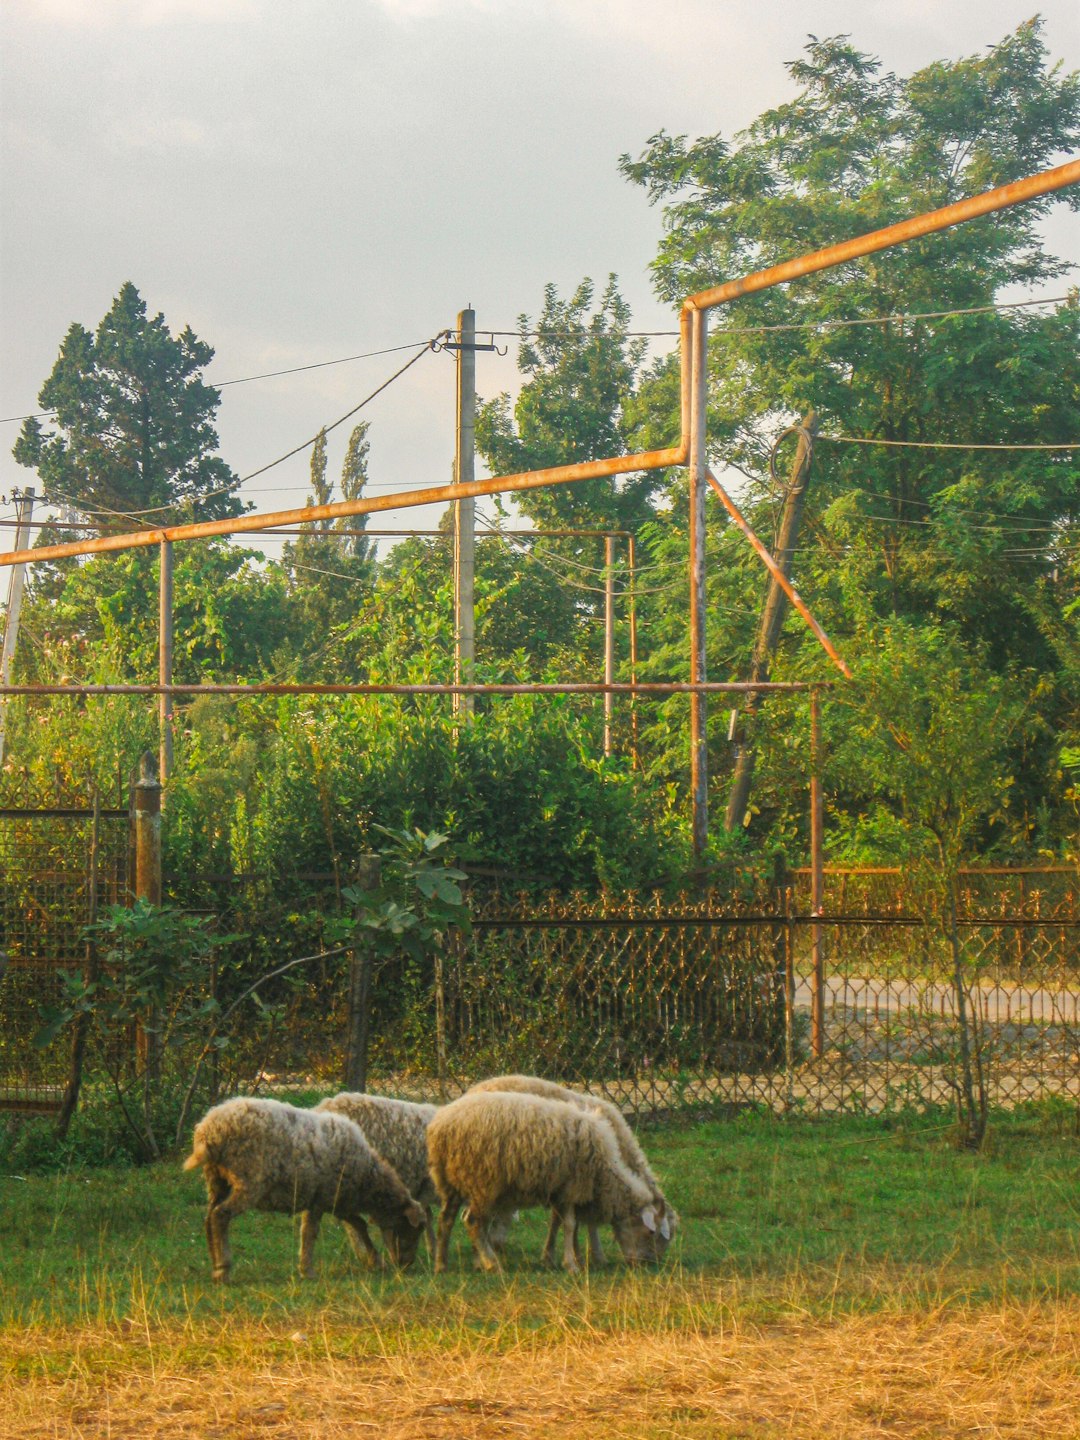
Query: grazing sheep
[[631, 1152], [397, 1129], [495, 1151], [264, 1155]]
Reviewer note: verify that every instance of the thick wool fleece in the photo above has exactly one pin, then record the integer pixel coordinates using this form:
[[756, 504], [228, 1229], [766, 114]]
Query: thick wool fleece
[[633, 1156], [500, 1151], [397, 1129], [287, 1159]]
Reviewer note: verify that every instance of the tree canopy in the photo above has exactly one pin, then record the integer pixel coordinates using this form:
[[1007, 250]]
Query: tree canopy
[[134, 432]]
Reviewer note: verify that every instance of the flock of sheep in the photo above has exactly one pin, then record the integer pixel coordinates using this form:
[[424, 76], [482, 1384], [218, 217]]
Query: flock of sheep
[[507, 1144]]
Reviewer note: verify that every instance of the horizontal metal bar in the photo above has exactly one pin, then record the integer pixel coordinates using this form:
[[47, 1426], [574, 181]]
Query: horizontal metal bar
[[59, 813], [569, 688], [912, 229], [727, 921], [364, 505]]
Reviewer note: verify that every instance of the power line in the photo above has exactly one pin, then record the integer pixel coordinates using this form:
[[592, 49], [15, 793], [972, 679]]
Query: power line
[[325, 429], [942, 444], [630, 334]]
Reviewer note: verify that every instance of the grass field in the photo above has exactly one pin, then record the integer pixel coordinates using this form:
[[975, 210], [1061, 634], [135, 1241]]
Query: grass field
[[835, 1279]]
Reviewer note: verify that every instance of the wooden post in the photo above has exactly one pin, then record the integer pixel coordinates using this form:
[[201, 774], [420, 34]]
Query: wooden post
[[147, 810], [772, 617], [817, 883], [368, 877]]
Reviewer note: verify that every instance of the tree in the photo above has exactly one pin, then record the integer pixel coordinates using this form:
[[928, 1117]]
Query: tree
[[899, 529], [134, 434], [332, 574]]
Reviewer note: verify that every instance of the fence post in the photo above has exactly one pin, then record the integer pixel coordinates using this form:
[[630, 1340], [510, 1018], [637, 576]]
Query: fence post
[[368, 877], [147, 809], [783, 961], [817, 883]]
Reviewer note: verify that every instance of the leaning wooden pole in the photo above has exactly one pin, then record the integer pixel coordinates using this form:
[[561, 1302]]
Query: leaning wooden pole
[[772, 616]]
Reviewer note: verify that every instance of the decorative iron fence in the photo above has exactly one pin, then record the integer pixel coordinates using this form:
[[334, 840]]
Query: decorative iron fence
[[661, 1006]]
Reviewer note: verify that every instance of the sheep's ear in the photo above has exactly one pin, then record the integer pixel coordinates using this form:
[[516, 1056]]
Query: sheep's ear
[[648, 1219], [665, 1228], [415, 1215]]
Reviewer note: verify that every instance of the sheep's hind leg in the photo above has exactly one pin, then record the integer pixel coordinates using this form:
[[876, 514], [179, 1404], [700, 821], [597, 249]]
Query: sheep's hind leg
[[447, 1215], [309, 1233], [226, 1200]]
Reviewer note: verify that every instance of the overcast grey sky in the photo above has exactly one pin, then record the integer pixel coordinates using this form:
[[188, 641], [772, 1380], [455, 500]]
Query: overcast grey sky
[[301, 180]]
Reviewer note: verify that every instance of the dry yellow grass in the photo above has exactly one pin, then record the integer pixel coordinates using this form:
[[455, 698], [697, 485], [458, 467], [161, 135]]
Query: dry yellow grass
[[987, 1371]]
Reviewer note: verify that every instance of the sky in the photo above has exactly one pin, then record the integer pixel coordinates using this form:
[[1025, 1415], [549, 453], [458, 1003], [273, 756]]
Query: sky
[[305, 180]]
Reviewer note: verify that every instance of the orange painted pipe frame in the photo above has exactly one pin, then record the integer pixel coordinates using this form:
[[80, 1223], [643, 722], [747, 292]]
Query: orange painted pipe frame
[[1000, 198]]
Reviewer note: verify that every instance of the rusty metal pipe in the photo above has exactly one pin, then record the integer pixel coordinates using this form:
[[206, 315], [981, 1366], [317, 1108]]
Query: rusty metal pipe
[[778, 575], [647, 687], [365, 505], [985, 204]]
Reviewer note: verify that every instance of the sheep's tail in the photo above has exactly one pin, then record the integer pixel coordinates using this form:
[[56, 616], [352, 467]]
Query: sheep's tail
[[199, 1155]]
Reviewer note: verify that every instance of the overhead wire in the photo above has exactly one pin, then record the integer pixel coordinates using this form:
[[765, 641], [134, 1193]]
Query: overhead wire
[[630, 334]]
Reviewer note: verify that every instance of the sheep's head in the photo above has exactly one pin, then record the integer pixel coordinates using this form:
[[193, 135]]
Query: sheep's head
[[401, 1234], [645, 1234]]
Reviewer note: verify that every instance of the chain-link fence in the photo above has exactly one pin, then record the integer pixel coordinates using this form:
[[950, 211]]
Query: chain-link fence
[[661, 1005], [57, 866]]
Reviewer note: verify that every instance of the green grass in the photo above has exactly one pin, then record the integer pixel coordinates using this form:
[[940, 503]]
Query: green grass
[[786, 1215]]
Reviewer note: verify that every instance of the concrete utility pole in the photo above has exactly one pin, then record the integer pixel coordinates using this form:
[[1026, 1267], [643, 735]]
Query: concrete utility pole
[[24, 507], [465, 512], [772, 617], [165, 661]]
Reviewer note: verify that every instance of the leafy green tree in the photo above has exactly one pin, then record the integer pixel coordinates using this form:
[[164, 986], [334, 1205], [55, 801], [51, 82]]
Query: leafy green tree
[[134, 428], [331, 573], [901, 529]]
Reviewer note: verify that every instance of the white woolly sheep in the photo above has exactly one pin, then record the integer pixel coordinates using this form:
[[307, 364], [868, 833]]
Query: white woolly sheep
[[265, 1155], [397, 1130], [495, 1151], [629, 1149]]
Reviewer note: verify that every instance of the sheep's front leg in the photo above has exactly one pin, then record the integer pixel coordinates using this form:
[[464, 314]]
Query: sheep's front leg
[[447, 1215], [309, 1233], [569, 1224], [548, 1256], [596, 1250], [476, 1225], [429, 1230], [363, 1248]]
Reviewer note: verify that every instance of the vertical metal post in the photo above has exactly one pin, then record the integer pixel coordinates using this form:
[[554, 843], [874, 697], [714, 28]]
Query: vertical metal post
[[609, 637], [147, 810], [817, 883], [631, 565], [465, 511], [24, 506], [165, 661], [698, 464]]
